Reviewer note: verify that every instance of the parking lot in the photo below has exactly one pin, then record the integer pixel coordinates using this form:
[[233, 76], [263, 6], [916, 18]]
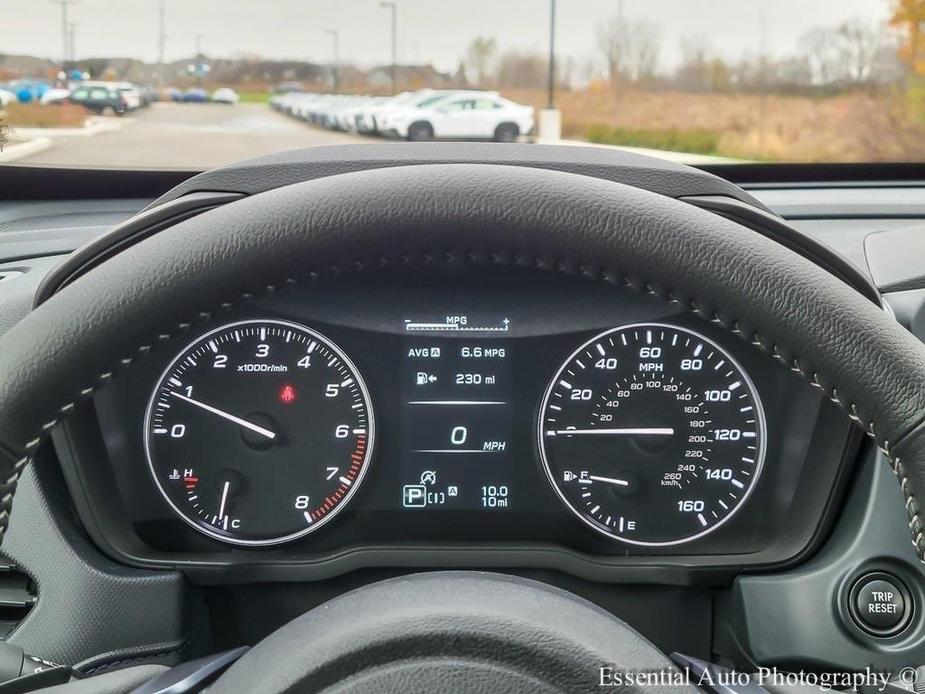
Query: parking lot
[[188, 136]]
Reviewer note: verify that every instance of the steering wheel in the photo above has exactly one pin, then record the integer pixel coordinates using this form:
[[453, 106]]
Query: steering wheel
[[483, 631]]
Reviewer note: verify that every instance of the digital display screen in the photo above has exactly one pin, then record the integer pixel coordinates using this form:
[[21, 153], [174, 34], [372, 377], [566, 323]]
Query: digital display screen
[[456, 420]]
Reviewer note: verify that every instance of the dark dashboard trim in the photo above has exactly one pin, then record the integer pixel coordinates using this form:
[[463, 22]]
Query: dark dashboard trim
[[41, 183], [126, 234], [53, 183], [821, 175]]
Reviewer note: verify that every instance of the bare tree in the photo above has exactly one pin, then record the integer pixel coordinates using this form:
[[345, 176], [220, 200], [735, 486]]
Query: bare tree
[[612, 38], [859, 42], [479, 56], [644, 51], [522, 70], [693, 72], [630, 49], [846, 54], [820, 46]]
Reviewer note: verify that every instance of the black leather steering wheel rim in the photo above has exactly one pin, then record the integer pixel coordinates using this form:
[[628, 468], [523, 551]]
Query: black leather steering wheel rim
[[421, 219]]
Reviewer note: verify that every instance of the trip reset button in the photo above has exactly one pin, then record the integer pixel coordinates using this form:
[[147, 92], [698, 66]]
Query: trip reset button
[[880, 604]]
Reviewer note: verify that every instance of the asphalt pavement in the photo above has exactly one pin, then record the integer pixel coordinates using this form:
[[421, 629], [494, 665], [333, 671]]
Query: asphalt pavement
[[187, 136]]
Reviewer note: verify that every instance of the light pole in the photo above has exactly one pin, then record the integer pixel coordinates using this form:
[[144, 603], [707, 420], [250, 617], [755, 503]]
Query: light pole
[[200, 62], [161, 41], [550, 121], [335, 37], [551, 87], [391, 6], [71, 32], [763, 75], [64, 26]]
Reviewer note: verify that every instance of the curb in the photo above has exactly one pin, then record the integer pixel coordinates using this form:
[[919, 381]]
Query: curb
[[24, 149]]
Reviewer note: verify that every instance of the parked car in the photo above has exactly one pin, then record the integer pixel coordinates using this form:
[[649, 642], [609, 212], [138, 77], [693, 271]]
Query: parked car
[[55, 95], [130, 93], [289, 86], [99, 98], [463, 115], [196, 96], [225, 95], [375, 117], [420, 115], [6, 97], [28, 90], [170, 94], [148, 94]]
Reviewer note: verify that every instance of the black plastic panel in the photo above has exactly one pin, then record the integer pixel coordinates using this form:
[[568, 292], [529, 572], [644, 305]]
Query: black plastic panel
[[88, 605], [896, 258], [122, 509], [800, 618]]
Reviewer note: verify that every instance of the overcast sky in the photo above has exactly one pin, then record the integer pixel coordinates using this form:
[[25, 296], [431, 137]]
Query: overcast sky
[[435, 31]]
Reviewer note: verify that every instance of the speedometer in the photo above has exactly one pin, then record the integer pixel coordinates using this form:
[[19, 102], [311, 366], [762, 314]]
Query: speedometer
[[259, 432], [652, 434]]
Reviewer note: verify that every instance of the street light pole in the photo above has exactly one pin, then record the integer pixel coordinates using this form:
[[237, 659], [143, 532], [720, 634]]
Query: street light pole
[[391, 6], [161, 40], [200, 63], [335, 36], [71, 32], [64, 26], [551, 87], [550, 121]]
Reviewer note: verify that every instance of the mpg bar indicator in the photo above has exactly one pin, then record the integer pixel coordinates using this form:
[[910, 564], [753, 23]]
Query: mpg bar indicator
[[459, 323]]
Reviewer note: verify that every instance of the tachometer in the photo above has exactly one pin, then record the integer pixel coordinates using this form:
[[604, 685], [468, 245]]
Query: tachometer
[[652, 434], [259, 432]]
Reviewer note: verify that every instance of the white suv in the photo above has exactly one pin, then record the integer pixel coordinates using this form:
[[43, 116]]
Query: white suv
[[463, 115]]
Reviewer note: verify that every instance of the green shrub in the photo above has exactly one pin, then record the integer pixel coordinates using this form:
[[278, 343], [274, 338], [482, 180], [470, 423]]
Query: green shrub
[[693, 141]]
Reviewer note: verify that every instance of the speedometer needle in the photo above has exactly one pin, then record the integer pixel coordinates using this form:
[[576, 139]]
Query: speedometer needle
[[226, 415], [609, 480], [655, 431]]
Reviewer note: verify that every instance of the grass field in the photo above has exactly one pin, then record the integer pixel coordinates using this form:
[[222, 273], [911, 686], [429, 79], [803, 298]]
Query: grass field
[[255, 97], [848, 127]]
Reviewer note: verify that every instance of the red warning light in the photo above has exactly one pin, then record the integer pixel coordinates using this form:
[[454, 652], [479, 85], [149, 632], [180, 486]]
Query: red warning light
[[287, 394]]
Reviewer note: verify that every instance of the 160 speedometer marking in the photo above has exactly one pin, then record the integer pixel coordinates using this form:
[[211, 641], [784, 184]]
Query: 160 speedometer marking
[[652, 434]]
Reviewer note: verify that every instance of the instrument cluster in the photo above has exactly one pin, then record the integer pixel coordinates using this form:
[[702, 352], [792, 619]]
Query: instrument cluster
[[546, 417]]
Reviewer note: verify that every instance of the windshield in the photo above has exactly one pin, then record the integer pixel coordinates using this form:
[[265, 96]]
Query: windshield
[[165, 84]]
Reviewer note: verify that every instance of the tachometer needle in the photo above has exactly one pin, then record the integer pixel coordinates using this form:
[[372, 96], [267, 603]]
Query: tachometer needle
[[609, 480], [654, 431], [221, 507], [226, 415]]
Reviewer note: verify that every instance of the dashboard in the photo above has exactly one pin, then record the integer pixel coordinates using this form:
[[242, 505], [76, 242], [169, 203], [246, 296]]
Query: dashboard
[[507, 417], [472, 363]]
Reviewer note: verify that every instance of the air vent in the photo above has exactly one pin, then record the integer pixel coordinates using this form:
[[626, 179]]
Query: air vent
[[17, 597]]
